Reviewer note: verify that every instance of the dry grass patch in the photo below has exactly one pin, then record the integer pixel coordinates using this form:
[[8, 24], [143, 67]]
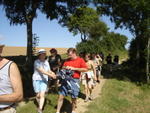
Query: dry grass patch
[[16, 51]]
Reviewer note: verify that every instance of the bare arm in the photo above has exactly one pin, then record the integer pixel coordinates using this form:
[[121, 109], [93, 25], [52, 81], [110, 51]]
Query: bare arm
[[94, 69], [76, 69], [15, 79], [49, 73]]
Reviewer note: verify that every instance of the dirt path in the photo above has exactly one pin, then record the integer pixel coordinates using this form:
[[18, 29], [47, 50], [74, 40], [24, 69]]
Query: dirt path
[[82, 106]]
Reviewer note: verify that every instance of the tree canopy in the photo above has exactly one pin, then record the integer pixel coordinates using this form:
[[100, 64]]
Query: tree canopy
[[111, 43], [24, 12], [81, 21], [132, 14], [98, 30], [135, 16]]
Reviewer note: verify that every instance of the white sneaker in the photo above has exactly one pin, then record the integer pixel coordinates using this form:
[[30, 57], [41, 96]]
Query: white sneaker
[[40, 111], [86, 99], [90, 97], [73, 112]]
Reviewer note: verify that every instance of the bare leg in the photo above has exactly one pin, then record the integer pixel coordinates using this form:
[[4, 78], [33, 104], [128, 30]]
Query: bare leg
[[38, 98], [97, 75], [42, 99], [90, 91], [74, 102], [86, 92], [60, 102]]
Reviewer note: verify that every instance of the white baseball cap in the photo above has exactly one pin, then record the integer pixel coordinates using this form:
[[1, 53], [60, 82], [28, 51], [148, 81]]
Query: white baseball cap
[[40, 51]]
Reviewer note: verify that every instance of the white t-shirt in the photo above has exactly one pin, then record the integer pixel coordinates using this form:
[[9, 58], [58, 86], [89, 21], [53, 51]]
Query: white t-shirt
[[40, 64]]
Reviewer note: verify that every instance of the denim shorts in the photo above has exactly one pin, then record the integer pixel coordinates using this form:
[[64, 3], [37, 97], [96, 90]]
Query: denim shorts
[[40, 86], [74, 90]]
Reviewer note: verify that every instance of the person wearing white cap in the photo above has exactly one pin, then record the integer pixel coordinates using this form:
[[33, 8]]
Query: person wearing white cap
[[40, 78], [10, 85]]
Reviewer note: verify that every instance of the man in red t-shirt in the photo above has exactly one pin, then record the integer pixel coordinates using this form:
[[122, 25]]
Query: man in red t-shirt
[[78, 65]]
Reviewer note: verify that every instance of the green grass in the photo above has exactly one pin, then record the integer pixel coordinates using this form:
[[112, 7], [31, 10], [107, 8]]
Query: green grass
[[30, 107], [121, 97], [116, 97], [49, 106]]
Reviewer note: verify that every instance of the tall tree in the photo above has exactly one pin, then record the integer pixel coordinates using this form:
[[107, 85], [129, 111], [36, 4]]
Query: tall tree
[[25, 11], [148, 61], [81, 21], [22, 12], [148, 56], [134, 15]]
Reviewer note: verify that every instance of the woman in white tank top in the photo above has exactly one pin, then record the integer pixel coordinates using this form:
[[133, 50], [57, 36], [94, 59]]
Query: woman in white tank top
[[10, 85]]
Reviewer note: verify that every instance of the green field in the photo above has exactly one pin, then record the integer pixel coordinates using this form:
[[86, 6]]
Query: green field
[[121, 97]]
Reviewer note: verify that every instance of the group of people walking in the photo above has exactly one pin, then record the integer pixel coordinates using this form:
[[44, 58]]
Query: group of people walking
[[92, 75], [51, 67], [68, 74]]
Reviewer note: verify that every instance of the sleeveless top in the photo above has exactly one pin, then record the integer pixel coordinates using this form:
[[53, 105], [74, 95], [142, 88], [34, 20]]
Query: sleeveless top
[[5, 83]]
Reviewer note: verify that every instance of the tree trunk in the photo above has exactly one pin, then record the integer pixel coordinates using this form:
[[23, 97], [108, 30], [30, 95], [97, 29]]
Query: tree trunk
[[29, 42], [81, 37], [148, 60], [138, 50], [84, 37]]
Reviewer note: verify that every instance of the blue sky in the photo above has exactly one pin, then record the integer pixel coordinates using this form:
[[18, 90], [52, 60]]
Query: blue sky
[[51, 34]]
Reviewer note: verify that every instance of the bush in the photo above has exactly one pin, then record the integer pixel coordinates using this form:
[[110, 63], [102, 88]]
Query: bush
[[97, 46]]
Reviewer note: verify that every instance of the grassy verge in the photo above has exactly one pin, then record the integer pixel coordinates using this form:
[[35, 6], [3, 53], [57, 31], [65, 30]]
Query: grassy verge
[[30, 106], [117, 97], [49, 106], [121, 97]]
